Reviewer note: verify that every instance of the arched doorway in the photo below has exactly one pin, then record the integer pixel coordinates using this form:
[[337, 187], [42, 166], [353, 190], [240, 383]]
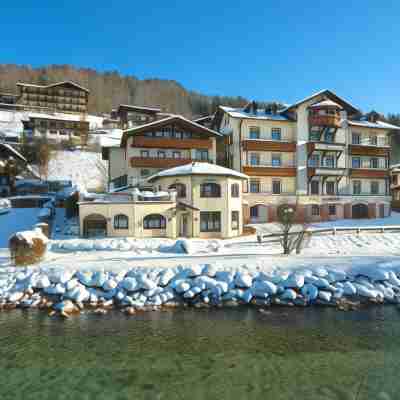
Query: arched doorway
[[94, 225], [359, 211], [258, 214]]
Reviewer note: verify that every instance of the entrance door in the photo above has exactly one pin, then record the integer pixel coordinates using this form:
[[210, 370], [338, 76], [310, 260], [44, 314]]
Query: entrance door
[[359, 211], [184, 225], [381, 211]]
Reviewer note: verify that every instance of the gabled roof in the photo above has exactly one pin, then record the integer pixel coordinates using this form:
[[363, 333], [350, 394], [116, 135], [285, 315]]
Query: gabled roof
[[174, 119], [330, 95], [326, 103], [373, 125], [53, 84], [205, 118], [197, 168], [9, 149]]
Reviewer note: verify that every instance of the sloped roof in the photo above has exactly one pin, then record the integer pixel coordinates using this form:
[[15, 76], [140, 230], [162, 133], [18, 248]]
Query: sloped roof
[[198, 168], [374, 125], [53, 84], [144, 109], [326, 103], [164, 122], [12, 151], [259, 114], [330, 95]]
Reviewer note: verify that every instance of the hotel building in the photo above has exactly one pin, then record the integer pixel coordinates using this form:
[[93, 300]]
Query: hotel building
[[319, 154]]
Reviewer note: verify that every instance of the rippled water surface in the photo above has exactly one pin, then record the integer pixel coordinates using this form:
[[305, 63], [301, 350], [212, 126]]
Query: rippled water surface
[[195, 354]]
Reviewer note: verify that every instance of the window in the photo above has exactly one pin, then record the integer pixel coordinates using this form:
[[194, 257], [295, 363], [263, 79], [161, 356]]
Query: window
[[315, 210], [186, 135], [202, 155], [235, 190], [332, 209], [329, 137], [373, 140], [314, 160], [355, 138], [330, 187], [374, 187], [235, 220], [254, 186], [254, 132], [210, 221], [154, 221], [394, 179], [276, 187], [373, 163], [210, 190], [314, 187], [180, 189], [254, 212], [356, 162], [276, 160], [144, 172], [144, 153], [161, 154], [176, 154], [276, 134], [254, 159], [121, 222], [315, 135], [356, 187], [329, 161]]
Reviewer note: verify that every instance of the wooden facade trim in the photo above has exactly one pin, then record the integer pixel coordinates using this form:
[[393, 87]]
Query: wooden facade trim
[[368, 173], [171, 143], [359, 150], [163, 163], [325, 120], [268, 145], [269, 171]]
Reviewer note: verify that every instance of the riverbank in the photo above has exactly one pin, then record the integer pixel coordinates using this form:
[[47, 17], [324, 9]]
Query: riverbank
[[68, 291]]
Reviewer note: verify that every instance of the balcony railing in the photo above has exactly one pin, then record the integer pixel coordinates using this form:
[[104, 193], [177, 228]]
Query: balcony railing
[[171, 143], [265, 189], [266, 164], [325, 120], [379, 142], [167, 162]]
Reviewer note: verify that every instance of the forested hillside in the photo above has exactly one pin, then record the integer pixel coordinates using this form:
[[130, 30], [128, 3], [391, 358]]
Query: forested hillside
[[109, 89]]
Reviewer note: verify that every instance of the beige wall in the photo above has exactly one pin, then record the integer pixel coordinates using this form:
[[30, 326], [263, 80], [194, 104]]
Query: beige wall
[[136, 213], [116, 162], [288, 129]]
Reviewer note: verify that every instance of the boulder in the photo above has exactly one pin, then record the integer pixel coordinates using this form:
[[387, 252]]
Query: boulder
[[325, 296], [349, 289], [129, 284], [209, 270], [295, 281], [110, 284], [166, 276], [288, 294], [243, 280]]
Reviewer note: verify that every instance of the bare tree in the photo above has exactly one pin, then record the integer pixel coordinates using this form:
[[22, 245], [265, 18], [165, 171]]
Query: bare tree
[[292, 227]]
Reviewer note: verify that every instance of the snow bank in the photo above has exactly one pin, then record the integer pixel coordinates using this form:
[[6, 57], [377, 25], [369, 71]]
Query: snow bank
[[201, 285]]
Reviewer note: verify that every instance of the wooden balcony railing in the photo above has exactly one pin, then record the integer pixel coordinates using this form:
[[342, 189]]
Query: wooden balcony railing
[[163, 163], [368, 173], [269, 171], [363, 150], [268, 145], [171, 143]]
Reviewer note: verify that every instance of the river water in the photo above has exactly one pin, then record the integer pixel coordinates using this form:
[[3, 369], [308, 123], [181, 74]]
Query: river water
[[286, 353]]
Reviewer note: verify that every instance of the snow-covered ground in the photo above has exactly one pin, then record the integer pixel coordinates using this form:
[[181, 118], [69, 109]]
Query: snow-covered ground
[[85, 169]]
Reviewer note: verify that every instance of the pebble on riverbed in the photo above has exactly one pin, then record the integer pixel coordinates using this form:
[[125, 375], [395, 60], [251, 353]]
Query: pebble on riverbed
[[68, 292]]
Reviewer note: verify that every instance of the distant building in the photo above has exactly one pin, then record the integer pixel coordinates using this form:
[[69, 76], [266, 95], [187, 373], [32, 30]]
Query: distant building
[[55, 127], [58, 97], [130, 115]]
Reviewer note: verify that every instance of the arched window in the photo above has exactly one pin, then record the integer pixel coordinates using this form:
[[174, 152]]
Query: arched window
[[121, 221], [235, 190], [154, 221], [210, 190], [180, 189]]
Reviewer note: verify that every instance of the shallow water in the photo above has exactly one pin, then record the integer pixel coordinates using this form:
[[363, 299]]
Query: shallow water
[[200, 354]]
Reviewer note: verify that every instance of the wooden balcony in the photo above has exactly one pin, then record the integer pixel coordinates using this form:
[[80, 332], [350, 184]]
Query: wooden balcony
[[325, 120], [270, 171], [163, 163], [369, 173], [268, 145], [171, 143], [361, 150]]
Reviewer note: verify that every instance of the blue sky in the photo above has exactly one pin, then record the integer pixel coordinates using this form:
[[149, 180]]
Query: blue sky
[[257, 49]]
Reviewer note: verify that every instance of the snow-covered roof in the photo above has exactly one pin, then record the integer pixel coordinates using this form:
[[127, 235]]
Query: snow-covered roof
[[165, 121], [326, 103], [55, 116], [259, 114], [53, 84], [140, 108], [374, 125], [109, 137], [327, 93], [16, 153], [205, 118], [198, 168]]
